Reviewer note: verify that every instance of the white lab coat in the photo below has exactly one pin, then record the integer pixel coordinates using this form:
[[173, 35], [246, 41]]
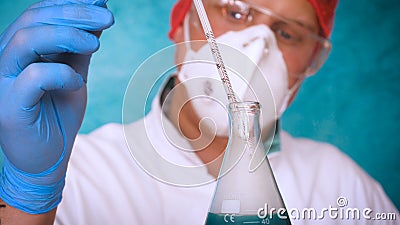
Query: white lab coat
[[105, 185]]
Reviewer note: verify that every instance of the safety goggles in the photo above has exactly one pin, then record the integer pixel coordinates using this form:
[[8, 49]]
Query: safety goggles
[[296, 40]]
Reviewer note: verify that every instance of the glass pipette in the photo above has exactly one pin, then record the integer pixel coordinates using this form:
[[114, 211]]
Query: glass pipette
[[214, 50]]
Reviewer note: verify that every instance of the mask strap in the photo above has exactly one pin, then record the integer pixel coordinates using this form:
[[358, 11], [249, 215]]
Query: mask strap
[[289, 95]]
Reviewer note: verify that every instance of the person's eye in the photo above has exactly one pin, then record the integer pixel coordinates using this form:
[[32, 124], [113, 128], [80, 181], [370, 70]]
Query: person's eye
[[286, 33], [237, 15], [237, 12]]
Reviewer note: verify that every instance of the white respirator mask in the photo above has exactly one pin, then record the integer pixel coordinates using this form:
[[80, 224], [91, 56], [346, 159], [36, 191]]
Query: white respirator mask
[[255, 67]]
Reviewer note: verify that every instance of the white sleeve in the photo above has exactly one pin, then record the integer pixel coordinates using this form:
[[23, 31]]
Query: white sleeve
[[317, 175]]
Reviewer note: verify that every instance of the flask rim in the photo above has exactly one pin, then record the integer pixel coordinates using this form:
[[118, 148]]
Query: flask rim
[[244, 106]]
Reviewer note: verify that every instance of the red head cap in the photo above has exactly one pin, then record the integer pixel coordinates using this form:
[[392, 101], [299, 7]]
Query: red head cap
[[325, 10]]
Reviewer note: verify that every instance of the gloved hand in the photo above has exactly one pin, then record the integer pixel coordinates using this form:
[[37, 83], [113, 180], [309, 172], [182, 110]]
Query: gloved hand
[[44, 59]]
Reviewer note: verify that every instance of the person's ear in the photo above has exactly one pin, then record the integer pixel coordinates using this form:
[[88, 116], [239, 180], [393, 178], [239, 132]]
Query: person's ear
[[178, 35]]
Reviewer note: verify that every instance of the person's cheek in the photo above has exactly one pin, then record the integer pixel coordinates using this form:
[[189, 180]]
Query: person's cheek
[[293, 67], [297, 63]]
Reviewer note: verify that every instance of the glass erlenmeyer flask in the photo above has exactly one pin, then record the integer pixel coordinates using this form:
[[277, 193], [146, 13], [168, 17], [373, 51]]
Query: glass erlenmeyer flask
[[246, 192]]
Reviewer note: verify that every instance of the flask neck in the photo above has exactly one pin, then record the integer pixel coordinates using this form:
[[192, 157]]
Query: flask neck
[[245, 120]]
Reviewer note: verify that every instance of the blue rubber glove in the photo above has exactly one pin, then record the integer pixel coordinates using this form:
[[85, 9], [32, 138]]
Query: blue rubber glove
[[44, 59]]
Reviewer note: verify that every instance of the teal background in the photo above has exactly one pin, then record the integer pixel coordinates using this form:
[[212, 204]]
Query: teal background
[[353, 102]]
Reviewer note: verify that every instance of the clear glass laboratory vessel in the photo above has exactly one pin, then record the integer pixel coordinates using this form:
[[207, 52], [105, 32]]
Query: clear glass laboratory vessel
[[246, 191]]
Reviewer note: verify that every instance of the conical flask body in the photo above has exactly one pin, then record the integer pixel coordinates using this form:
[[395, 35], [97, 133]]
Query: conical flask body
[[246, 191]]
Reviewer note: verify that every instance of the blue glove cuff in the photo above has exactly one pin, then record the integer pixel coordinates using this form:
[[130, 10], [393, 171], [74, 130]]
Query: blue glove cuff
[[28, 192]]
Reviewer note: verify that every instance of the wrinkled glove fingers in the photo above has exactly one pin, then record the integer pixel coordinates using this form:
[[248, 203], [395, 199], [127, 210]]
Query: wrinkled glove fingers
[[24, 49], [85, 17], [81, 16], [46, 3], [38, 78]]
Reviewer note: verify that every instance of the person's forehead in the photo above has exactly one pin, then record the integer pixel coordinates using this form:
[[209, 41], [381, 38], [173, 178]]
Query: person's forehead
[[296, 10]]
